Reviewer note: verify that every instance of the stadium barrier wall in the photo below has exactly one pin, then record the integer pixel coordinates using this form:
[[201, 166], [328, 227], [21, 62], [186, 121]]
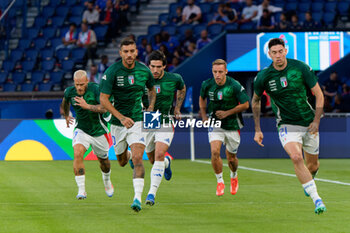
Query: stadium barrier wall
[[52, 140]]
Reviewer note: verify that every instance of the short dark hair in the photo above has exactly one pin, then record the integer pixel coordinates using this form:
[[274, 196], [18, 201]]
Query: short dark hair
[[72, 24], [157, 55], [276, 41], [127, 41]]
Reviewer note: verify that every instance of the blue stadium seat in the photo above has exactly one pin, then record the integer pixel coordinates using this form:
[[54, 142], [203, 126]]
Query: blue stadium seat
[[304, 7], [215, 29], [77, 10], [37, 77], [301, 17], [183, 28], [55, 3], [75, 19], [56, 77], [291, 6], [67, 65], [154, 29], [172, 8], [45, 87], [57, 21], [133, 5], [48, 12], [317, 16], [8, 65], [31, 54], [70, 3], [197, 29], [39, 43], [171, 29], [330, 6], [27, 87], [39, 22], [205, 7], [328, 19], [18, 77], [62, 54], [208, 17], [101, 32], [163, 18], [247, 26], [4, 4], [56, 42], [139, 39], [231, 27], [32, 33], [48, 65], [9, 87], [24, 44], [78, 54], [62, 11], [16, 55], [28, 65], [49, 32], [47, 53], [237, 6], [317, 6], [343, 8], [215, 6], [3, 77]]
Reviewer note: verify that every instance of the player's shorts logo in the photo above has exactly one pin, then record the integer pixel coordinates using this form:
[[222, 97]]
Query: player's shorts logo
[[157, 87], [131, 79], [220, 95], [284, 82], [151, 120]]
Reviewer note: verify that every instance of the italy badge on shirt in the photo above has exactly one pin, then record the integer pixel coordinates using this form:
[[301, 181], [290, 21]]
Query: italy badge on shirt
[[284, 82], [220, 95], [131, 79], [157, 87]]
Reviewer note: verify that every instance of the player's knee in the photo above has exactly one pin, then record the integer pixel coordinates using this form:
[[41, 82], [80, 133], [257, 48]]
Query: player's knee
[[297, 158], [313, 167], [122, 162], [215, 154]]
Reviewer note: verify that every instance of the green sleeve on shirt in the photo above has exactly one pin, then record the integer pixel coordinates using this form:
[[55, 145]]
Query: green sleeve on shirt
[[180, 82], [107, 82], [309, 75], [258, 84], [240, 92], [203, 92]]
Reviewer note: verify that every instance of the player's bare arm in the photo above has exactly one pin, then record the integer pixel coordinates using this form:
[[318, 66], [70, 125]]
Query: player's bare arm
[[152, 98], [65, 109], [256, 107], [93, 108], [313, 127], [126, 121], [180, 96], [203, 108], [239, 108]]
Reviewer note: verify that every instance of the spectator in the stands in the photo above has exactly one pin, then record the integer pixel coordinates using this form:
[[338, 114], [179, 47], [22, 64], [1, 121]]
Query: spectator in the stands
[[93, 75], [191, 13], [189, 38], [283, 23], [141, 48], [224, 15], [87, 39], [174, 63], [166, 52], [147, 53], [342, 102], [266, 5], [249, 12], [109, 17], [179, 53], [203, 40], [157, 42], [294, 25], [102, 67], [309, 22], [171, 42], [267, 21], [332, 85], [122, 7], [70, 38], [177, 18], [190, 50], [91, 15], [101, 4]]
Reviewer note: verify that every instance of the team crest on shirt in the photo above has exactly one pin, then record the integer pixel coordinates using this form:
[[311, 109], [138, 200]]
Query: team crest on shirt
[[220, 95], [284, 82], [157, 87], [131, 79]]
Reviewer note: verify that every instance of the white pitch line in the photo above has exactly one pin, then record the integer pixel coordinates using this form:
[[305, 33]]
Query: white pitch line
[[278, 173]]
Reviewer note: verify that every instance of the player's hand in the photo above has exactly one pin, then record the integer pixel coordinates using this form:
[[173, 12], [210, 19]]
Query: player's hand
[[69, 120], [81, 102], [127, 122], [177, 114], [313, 128], [258, 138], [221, 114]]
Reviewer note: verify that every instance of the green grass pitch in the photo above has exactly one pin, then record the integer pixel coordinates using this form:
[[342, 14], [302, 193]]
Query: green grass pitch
[[40, 197]]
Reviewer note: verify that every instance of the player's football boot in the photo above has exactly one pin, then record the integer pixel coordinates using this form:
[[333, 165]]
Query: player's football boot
[[81, 196], [320, 207], [150, 199], [220, 188], [109, 189], [167, 172], [136, 205], [234, 185]]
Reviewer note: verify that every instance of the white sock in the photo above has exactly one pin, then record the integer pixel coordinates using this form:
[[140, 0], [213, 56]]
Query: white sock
[[219, 177], [81, 183], [166, 163], [157, 173], [311, 189], [130, 155], [106, 177], [138, 187], [233, 174]]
